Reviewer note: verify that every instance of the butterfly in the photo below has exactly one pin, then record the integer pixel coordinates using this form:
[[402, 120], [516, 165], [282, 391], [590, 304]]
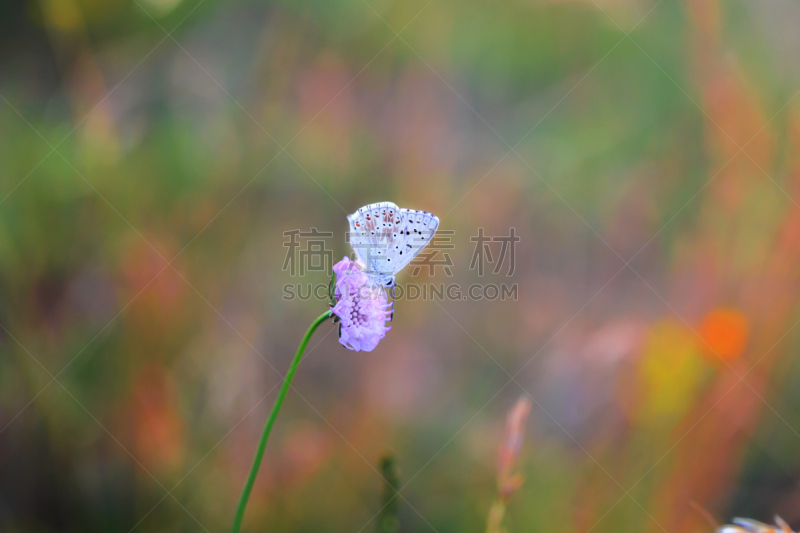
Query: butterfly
[[386, 238]]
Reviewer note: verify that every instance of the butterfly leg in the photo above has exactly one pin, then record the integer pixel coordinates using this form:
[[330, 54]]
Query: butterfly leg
[[391, 293]]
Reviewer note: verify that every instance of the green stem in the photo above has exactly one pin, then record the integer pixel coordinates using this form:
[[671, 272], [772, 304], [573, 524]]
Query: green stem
[[287, 381]]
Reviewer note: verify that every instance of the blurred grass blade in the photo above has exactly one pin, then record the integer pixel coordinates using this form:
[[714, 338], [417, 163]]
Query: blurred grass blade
[[388, 521]]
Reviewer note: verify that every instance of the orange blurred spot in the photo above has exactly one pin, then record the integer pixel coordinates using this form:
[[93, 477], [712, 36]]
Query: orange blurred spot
[[155, 419], [725, 332]]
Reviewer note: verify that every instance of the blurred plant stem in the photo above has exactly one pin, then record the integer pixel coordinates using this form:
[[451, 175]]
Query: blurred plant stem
[[262, 445], [388, 521], [508, 481], [496, 514]]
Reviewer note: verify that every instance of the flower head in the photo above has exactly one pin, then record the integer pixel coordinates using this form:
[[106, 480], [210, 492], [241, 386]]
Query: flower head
[[362, 307], [745, 525]]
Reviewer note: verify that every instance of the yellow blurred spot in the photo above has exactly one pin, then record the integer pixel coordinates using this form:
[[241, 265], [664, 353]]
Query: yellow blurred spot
[[670, 370], [725, 332], [162, 7], [62, 14]]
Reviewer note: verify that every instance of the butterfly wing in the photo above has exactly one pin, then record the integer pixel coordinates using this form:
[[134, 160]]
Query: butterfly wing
[[415, 231], [373, 228]]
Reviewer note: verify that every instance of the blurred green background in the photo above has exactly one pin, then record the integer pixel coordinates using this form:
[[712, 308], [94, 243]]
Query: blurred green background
[[154, 152]]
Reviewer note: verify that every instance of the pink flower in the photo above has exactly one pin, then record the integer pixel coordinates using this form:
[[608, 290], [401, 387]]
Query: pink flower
[[361, 306]]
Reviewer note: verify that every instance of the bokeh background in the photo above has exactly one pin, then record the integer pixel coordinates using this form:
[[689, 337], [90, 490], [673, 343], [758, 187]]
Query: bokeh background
[[154, 152]]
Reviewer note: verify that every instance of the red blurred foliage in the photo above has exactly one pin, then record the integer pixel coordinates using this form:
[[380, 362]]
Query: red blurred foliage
[[156, 287], [155, 419]]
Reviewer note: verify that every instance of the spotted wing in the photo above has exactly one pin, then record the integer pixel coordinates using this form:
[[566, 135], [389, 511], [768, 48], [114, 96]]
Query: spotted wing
[[415, 230], [373, 229]]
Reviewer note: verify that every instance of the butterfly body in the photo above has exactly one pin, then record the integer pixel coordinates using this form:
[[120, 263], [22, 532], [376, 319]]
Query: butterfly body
[[386, 238]]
